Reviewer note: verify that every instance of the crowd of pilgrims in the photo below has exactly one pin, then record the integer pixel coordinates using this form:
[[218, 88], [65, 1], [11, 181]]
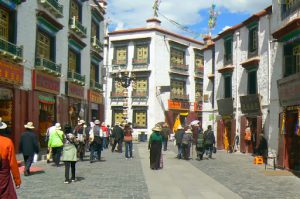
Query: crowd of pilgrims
[[69, 145]]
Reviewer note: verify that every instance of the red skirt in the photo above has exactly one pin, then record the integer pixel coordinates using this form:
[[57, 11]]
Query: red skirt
[[7, 187]]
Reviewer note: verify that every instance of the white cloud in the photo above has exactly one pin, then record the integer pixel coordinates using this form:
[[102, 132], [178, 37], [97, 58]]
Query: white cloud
[[133, 13]]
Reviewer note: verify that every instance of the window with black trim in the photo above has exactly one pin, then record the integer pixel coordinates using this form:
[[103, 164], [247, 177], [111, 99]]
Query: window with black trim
[[177, 87], [177, 56], [117, 87], [141, 86], [228, 50], [227, 86], [94, 72], [45, 45], [117, 115], [7, 25], [199, 60], [252, 81], [74, 61], [253, 40], [291, 59], [75, 10], [94, 29], [121, 55], [141, 53], [288, 7], [198, 91], [139, 118]]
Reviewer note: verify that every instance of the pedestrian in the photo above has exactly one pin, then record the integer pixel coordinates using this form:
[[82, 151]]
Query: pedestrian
[[178, 136], [96, 143], [166, 132], [79, 132], [8, 166], [128, 141], [187, 141], [209, 141], [200, 144], [109, 141], [262, 148], [117, 134], [56, 143], [28, 146], [155, 146], [69, 156], [48, 133], [247, 137], [105, 135]]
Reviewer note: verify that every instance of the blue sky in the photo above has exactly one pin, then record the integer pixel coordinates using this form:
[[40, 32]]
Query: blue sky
[[194, 14]]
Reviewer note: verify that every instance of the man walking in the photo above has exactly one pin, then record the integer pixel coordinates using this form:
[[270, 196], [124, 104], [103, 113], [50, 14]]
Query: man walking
[[96, 144], [209, 141], [178, 136], [28, 146], [165, 132], [80, 133], [117, 134]]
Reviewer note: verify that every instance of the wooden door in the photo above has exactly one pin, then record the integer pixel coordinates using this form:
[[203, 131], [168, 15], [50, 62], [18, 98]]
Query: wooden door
[[233, 130], [280, 151], [242, 134], [220, 133], [258, 129]]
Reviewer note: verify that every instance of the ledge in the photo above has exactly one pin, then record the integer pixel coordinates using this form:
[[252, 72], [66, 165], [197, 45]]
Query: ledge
[[254, 61], [228, 68]]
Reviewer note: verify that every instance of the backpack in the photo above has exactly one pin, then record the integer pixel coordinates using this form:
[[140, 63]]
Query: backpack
[[200, 140]]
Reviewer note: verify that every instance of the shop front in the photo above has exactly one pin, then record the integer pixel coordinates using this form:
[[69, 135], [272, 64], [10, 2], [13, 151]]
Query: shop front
[[76, 105], [289, 120], [12, 111], [46, 88], [178, 111], [96, 110], [252, 117], [226, 127]]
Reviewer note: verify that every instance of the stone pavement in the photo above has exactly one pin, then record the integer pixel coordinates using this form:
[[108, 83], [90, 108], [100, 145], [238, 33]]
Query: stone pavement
[[226, 176]]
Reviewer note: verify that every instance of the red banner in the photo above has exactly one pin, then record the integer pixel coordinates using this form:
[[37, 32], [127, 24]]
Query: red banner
[[74, 90], [95, 97], [11, 73], [44, 82], [178, 105]]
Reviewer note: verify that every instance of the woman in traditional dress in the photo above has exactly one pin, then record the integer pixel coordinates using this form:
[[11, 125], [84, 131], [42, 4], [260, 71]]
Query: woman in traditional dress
[[8, 166], [155, 145]]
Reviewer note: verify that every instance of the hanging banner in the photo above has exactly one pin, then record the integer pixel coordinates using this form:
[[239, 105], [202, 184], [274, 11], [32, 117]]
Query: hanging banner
[[282, 130]]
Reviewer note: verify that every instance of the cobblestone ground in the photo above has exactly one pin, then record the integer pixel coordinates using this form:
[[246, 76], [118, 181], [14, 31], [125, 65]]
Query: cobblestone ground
[[113, 177], [237, 172]]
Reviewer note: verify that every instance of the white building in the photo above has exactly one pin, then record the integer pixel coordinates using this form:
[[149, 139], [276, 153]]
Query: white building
[[236, 80], [50, 62], [166, 69]]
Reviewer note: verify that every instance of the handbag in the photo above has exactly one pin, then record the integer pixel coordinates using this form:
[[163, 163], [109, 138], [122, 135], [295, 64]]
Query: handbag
[[214, 149], [127, 138]]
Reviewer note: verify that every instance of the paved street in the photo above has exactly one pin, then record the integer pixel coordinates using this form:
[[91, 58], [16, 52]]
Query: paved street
[[226, 176]]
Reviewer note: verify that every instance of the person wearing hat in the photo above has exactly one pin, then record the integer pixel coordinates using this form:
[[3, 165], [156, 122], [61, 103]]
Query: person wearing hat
[[155, 145], [56, 143], [8, 166], [79, 132], [187, 140], [28, 146], [118, 135], [209, 141], [96, 144], [178, 136], [165, 132]]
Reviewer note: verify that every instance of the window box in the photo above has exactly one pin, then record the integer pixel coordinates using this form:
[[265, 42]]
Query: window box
[[96, 44], [48, 66], [53, 6], [76, 78], [96, 85], [76, 26], [11, 51]]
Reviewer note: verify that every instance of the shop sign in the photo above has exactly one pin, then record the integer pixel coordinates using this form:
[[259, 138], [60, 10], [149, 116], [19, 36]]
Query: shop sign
[[74, 90], [289, 90], [95, 97], [45, 82], [197, 106], [178, 105], [250, 104], [11, 73], [225, 106]]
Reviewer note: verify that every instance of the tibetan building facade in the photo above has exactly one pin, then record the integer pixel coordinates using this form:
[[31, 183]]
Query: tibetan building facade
[[165, 76], [50, 63]]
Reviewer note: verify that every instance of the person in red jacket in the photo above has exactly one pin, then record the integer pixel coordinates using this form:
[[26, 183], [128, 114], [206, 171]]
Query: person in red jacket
[[8, 166]]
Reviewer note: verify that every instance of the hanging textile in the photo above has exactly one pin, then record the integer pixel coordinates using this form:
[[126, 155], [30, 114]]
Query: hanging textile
[[226, 142], [176, 124], [282, 130]]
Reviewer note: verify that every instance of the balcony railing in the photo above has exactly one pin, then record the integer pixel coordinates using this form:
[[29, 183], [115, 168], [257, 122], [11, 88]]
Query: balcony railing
[[11, 51], [137, 94], [76, 77], [181, 67], [118, 94], [48, 66], [96, 44], [54, 7], [176, 96], [288, 7], [96, 85], [77, 26]]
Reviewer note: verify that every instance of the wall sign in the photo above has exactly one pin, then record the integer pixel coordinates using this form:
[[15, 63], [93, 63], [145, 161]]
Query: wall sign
[[44, 82], [95, 97], [11, 73], [178, 105], [73, 90], [250, 104]]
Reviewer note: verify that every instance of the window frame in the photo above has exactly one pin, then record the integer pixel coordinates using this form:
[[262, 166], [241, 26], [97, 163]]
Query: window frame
[[78, 61], [114, 110], [79, 16], [177, 51], [250, 89], [96, 78], [11, 26], [136, 46], [290, 60], [227, 93], [183, 86], [134, 89], [116, 50], [253, 46], [228, 57], [134, 112], [52, 46]]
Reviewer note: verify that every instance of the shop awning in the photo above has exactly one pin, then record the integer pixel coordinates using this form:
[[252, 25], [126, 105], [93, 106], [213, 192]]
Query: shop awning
[[46, 99]]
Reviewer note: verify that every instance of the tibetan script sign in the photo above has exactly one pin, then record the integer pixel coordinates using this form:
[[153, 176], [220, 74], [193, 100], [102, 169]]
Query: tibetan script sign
[[95, 97], [178, 105], [74, 90], [45, 82], [250, 104], [11, 73]]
